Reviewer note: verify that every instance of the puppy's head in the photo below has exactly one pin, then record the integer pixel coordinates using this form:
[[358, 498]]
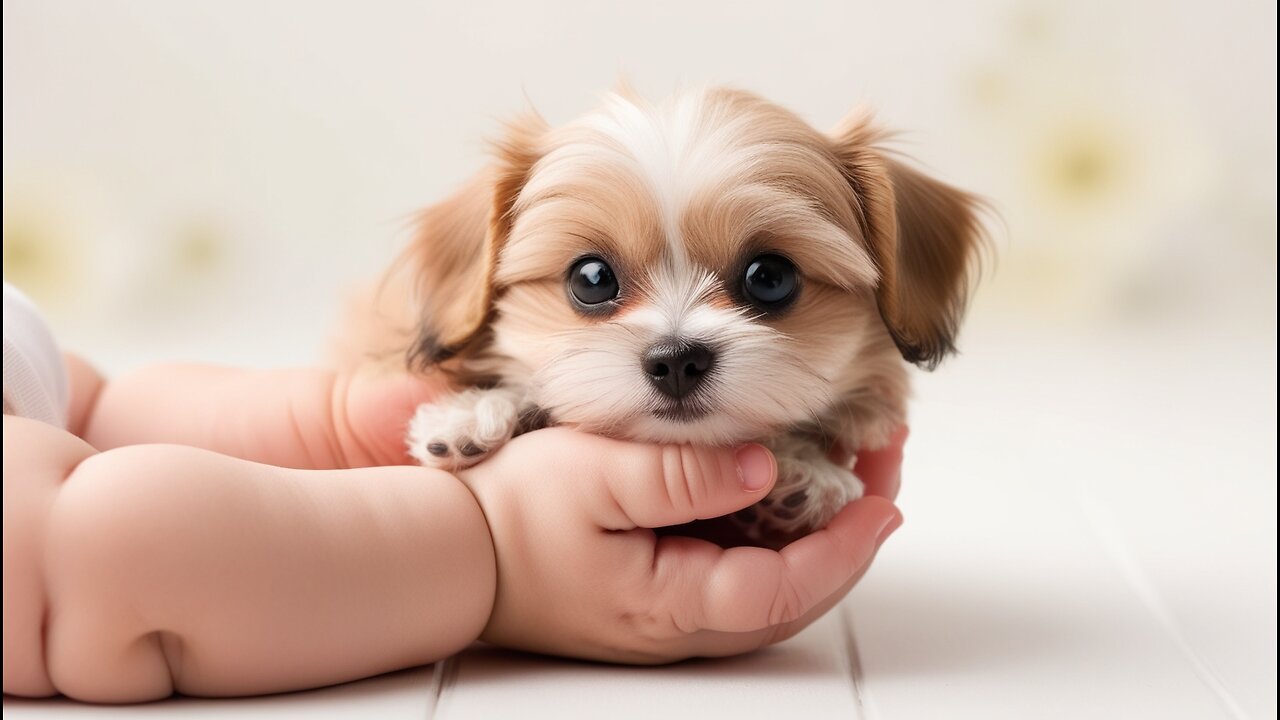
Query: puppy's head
[[711, 269]]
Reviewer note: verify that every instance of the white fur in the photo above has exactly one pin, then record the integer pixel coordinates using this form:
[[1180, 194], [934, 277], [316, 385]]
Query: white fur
[[675, 148], [480, 419]]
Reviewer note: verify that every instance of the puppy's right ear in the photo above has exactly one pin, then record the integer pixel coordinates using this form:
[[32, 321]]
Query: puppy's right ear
[[456, 250]]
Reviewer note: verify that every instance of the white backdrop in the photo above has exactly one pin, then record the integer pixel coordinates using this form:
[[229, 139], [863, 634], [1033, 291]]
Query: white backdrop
[[200, 177]]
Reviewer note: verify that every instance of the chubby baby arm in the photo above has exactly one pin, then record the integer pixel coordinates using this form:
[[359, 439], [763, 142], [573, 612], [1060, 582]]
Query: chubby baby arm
[[133, 573], [138, 572], [311, 418]]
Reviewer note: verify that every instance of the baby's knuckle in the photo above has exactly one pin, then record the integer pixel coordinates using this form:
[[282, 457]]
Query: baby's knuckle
[[697, 477], [643, 625], [675, 476], [789, 603]]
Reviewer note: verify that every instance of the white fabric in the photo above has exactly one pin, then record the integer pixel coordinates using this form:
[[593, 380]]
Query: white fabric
[[35, 378]]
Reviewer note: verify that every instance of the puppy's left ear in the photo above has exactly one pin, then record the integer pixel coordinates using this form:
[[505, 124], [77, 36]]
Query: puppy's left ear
[[455, 254], [924, 235]]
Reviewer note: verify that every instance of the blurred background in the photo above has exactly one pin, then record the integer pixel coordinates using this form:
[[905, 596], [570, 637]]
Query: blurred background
[[206, 180], [180, 175]]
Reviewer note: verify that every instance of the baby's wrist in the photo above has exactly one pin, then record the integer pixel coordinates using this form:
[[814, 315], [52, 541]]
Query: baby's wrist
[[485, 548]]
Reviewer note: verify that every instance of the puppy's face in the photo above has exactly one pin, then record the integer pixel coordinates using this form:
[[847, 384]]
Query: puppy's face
[[692, 272], [708, 270]]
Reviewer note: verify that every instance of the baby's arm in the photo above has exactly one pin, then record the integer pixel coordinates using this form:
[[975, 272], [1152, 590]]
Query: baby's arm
[[132, 573], [300, 418], [138, 572]]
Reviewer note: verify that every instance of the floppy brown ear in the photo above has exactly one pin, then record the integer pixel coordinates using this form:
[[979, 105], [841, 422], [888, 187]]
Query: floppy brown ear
[[457, 247], [925, 237]]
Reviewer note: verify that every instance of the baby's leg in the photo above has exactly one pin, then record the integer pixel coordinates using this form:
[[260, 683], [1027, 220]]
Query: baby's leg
[[159, 568], [37, 457]]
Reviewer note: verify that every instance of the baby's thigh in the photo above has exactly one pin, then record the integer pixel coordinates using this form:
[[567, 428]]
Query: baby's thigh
[[37, 458]]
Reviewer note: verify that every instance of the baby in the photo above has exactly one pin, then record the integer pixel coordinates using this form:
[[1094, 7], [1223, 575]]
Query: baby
[[277, 541]]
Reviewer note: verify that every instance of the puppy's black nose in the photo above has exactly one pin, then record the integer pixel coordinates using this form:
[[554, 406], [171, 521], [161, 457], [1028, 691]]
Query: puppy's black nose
[[676, 369]]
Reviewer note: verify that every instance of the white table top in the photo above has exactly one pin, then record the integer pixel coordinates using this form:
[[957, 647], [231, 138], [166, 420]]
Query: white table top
[[1091, 532]]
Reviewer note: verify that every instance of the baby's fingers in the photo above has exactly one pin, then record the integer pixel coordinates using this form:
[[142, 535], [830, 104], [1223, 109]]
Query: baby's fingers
[[748, 589], [657, 486]]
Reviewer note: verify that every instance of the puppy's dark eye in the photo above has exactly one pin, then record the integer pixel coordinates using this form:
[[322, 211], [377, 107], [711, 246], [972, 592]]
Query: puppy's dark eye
[[770, 282], [591, 281]]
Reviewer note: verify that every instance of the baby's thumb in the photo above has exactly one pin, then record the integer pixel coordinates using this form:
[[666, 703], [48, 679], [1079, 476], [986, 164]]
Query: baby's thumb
[[679, 484]]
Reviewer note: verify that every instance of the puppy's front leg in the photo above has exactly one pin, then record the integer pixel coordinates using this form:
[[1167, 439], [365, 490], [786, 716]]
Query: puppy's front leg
[[811, 489], [459, 431]]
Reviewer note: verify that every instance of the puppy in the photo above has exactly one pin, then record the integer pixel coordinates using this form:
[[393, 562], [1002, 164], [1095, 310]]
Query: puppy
[[708, 270]]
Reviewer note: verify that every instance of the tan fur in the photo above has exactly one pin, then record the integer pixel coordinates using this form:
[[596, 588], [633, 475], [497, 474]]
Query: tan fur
[[455, 256], [925, 236]]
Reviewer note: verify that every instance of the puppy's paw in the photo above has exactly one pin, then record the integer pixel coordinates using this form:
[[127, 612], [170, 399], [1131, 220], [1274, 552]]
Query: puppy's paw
[[460, 431], [810, 491]]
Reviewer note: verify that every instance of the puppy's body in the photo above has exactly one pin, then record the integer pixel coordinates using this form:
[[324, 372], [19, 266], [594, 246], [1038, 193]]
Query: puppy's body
[[708, 270]]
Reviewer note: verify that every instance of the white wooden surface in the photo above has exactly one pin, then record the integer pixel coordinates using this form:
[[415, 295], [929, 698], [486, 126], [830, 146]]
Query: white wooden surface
[[1091, 532]]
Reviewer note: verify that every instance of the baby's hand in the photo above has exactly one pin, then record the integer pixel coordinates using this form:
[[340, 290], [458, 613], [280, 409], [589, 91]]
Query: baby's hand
[[580, 575]]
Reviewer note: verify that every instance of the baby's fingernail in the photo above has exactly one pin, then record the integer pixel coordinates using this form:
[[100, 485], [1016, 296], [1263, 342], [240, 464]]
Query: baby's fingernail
[[890, 524], [755, 467]]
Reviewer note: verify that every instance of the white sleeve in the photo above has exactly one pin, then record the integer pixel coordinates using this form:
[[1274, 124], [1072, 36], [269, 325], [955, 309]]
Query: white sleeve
[[35, 378]]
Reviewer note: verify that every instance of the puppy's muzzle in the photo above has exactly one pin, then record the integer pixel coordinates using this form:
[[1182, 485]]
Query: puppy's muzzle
[[677, 369]]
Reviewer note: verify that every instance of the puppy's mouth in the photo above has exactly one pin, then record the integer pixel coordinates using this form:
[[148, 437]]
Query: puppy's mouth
[[681, 411]]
